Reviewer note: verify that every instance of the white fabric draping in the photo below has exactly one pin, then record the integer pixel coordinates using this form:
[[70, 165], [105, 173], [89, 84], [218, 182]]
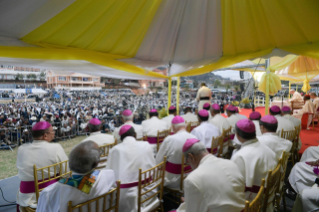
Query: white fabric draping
[[34, 91]]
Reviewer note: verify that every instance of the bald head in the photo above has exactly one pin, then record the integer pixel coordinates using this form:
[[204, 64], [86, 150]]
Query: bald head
[[84, 157]]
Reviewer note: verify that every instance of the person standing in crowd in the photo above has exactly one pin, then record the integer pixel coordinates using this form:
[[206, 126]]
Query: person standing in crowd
[[204, 95], [40, 153]]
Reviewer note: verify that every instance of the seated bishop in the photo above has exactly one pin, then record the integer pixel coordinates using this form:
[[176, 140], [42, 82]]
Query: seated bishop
[[152, 126], [85, 184], [269, 137], [286, 113], [40, 153], [253, 159], [171, 114], [311, 153], [307, 108], [127, 117], [172, 149], [96, 135], [283, 124], [232, 119], [214, 185], [217, 119], [255, 117], [188, 115], [206, 106], [205, 132], [126, 159]]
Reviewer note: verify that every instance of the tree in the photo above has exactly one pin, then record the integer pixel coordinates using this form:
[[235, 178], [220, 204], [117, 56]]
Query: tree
[[236, 88], [227, 87], [42, 76], [19, 76], [29, 76], [217, 83], [33, 76]]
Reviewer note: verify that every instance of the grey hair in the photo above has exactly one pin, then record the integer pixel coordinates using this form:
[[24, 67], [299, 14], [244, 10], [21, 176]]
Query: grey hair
[[94, 128], [84, 157], [197, 149], [127, 118]]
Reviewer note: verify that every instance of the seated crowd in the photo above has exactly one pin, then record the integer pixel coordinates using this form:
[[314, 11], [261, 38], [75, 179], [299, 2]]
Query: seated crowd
[[213, 183]]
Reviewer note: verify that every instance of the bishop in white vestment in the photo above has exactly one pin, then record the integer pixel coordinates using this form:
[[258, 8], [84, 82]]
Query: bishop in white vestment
[[283, 124], [85, 184], [315, 101], [126, 159], [172, 149], [127, 117], [253, 159], [171, 114], [296, 98], [310, 154], [40, 153], [205, 132], [217, 119], [286, 113], [268, 126], [307, 108], [96, 135], [255, 117], [214, 185], [189, 116]]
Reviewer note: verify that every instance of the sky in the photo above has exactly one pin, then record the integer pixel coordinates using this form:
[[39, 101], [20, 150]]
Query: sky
[[234, 75]]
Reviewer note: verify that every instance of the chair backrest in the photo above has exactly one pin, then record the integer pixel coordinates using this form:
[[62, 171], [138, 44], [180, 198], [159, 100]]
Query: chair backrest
[[284, 162], [185, 169], [226, 138], [113, 203], [256, 204], [217, 142], [153, 178], [273, 181], [288, 135], [105, 149], [161, 135], [59, 170], [194, 124], [304, 121], [297, 134]]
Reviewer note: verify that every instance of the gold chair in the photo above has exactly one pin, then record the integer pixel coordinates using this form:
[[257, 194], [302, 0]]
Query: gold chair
[[57, 174], [291, 135], [153, 178], [161, 135], [273, 181], [226, 140], [256, 204], [281, 188], [113, 204], [178, 193], [105, 149], [191, 125], [217, 142], [295, 148]]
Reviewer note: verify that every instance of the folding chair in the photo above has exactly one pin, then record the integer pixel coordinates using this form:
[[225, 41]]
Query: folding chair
[[217, 146], [113, 204], [153, 178], [291, 136], [256, 204], [226, 143], [105, 150]]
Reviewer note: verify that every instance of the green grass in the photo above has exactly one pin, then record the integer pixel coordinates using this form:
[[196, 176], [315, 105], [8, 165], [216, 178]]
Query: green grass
[[8, 158]]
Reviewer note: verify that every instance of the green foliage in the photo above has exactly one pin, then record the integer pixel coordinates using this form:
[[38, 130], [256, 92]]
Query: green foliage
[[235, 103], [236, 88], [245, 101], [217, 83], [162, 113]]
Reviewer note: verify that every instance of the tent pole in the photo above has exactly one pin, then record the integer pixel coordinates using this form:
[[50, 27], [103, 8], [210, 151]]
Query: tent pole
[[169, 93], [289, 90], [177, 95], [267, 88], [297, 87]]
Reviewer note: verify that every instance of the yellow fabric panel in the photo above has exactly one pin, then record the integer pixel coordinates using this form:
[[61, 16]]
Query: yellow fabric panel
[[224, 61], [255, 25], [112, 26], [70, 54], [310, 49], [286, 61], [274, 83]]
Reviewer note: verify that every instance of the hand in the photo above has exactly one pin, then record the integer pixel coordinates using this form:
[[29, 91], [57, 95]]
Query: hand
[[182, 199], [313, 163]]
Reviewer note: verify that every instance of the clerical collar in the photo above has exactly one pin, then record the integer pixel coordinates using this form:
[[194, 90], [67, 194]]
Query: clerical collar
[[270, 133], [95, 133], [38, 141], [249, 142]]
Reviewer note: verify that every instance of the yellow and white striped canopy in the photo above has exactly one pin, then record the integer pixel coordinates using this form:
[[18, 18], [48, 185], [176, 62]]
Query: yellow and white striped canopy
[[131, 38]]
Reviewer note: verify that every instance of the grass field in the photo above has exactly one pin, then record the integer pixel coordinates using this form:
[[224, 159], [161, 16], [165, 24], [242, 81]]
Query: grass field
[[8, 158]]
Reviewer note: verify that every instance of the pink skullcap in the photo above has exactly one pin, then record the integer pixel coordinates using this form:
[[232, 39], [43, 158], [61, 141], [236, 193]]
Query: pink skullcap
[[42, 125], [178, 120], [127, 113], [124, 129], [231, 108], [153, 111], [285, 109], [189, 143], [246, 125], [275, 109], [172, 108], [206, 105], [269, 119], [254, 115], [216, 106], [203, 113], [95, 121], [236, 109]]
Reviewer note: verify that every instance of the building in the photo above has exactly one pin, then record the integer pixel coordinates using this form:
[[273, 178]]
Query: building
[[188, 83], [72, 81], [8, 72]]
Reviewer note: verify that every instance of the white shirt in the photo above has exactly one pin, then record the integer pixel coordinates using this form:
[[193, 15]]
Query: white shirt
[[302, 176], [138, 129], [254, 160], [275, 143], [310, 154], [216, 185], [232, 120], [205, 132], [203, 92], [296, 97], [172, 148], [189, 117], [56, 196], [168, 119], [100, 138], [153, 125], [41, 154], [283, 124], [219, 121], [257, 126], [125, 159]]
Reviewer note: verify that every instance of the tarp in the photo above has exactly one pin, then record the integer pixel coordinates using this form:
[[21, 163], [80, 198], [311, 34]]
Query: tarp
[[31, 91], [136, 37], [57, 96]]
